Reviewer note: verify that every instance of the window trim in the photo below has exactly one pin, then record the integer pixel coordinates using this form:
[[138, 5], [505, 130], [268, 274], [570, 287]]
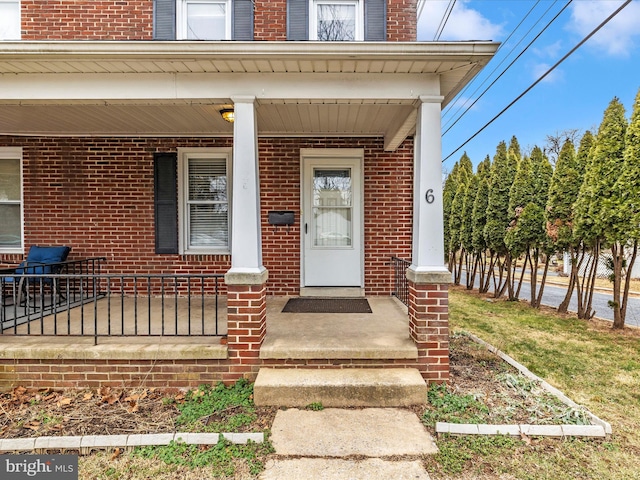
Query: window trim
[[184, 155], [19, 37], [181, 18], [359, 20], [13, 153]]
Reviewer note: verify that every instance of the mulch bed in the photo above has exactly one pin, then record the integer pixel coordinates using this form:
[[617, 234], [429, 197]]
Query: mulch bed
[[110, 411]]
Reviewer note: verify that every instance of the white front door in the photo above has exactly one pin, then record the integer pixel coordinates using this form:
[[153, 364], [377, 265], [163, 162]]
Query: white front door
[[332, 218]]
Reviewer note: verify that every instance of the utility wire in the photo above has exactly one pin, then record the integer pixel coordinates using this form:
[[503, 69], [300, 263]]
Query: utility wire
[[509, 66], [445, 19], [506, 41], [567, 55]]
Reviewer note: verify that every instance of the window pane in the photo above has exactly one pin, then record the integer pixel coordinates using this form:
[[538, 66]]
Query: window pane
[[208, 209], [209, 225], [332, 188], [207, 180], [9, 179], [332, 207], [206, 21], [10, 226], [9, 20], [336, 22]]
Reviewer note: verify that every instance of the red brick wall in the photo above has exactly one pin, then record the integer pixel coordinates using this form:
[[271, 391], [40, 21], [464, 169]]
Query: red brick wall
[[133, 20], [270, 20], [402, 21], [87, 20], [97, 196], [179, 373], [429, 328]]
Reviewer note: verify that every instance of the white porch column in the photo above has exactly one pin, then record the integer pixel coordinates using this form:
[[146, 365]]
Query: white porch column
[[246, 240], [428, 222]]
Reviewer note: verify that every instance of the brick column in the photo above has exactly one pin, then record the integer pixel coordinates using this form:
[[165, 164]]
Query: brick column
[[246, 323], [429, 322]]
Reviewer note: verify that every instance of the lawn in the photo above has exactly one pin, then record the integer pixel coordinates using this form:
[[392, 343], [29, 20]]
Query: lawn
[[592, 364]]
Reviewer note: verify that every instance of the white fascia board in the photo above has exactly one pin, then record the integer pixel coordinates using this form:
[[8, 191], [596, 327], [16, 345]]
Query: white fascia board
[[46, 88], [154, 50]]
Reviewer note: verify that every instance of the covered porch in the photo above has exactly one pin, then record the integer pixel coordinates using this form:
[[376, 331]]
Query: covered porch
[[132, 101]]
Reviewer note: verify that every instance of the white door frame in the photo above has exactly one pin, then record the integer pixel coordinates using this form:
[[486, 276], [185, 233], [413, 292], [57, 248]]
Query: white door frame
[[308, 155]]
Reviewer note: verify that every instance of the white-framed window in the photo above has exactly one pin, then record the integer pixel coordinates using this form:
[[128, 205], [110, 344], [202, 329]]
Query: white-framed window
[[203, 19], [331, 21], [10, 20], [11, 233], [204, 200]]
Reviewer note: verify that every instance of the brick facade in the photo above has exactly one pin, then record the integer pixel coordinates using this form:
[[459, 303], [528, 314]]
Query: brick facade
[[402, 25], [429, 328], [133, 20], [87, 20], [270, 20], [96, 195]]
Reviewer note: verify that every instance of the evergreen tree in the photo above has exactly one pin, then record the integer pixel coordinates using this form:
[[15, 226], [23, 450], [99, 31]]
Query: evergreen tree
[[521, 192], [478, 222], [542, 173], [466, 231], [584, 150], [503, 170], [623, 215], [514, 148], [448, 192], [563, 191], [455, 225], [595, 220]]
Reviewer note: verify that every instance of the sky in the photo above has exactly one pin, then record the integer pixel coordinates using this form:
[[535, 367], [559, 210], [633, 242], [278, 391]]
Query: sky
[[573, 97]]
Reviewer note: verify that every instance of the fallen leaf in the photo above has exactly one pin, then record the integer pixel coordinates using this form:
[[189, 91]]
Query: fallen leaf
[[116, 453], [32, 425], [64, 401], [87, 396], [133, 407]]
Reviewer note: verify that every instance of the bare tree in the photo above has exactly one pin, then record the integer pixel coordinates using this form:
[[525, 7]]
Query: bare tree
[[557, 140]]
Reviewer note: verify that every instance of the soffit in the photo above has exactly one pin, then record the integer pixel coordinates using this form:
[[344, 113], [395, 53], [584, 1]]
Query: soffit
[[453, 62]]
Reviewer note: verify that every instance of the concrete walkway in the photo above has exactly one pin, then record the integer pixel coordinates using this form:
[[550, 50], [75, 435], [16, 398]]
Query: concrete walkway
[[338, 444]]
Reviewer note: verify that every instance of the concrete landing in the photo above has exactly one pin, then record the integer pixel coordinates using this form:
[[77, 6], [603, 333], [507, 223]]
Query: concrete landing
[[353, 387], [336, 444]]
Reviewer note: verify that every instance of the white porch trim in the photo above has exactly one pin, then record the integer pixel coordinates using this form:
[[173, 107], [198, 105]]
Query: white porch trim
[[246, 237], [428, 227]]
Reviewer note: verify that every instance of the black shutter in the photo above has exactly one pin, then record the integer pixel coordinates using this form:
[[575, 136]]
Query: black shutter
[[242, 20], [166, 202], [298, 20], [375, 20], [164, 19]]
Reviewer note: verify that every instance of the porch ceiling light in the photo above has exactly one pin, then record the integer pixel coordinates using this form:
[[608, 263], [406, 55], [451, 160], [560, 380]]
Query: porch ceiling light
[[228, 114]]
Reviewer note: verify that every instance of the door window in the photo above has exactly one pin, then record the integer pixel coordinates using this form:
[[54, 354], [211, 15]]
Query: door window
[[332, 207]]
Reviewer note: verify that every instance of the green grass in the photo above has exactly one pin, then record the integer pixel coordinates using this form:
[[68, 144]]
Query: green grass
[[213, 409], [595, 366], [452, 408]]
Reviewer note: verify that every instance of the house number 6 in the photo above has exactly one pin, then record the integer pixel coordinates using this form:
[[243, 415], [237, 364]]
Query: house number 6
[[429, 196]]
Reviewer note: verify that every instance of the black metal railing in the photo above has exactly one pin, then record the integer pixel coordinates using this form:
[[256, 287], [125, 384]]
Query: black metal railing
[[400, 283], [98, 305]]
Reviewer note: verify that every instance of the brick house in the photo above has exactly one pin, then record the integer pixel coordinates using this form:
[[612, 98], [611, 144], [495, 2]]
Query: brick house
[[110, 119]]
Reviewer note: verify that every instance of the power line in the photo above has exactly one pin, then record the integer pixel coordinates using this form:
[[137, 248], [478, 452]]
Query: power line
[[567, 55], [500, 48], [509, 66], [445, 19]]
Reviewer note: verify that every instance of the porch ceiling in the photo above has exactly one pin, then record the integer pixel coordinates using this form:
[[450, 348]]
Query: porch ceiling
[[177, 88]]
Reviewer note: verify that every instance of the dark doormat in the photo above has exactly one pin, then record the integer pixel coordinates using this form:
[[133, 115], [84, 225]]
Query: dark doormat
[[327, 305]]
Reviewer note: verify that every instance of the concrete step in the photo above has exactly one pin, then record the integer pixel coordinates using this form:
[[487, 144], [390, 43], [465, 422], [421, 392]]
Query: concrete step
[[354, 387]]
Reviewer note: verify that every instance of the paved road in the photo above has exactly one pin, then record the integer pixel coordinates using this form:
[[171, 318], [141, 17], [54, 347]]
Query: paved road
[[553, 295]]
